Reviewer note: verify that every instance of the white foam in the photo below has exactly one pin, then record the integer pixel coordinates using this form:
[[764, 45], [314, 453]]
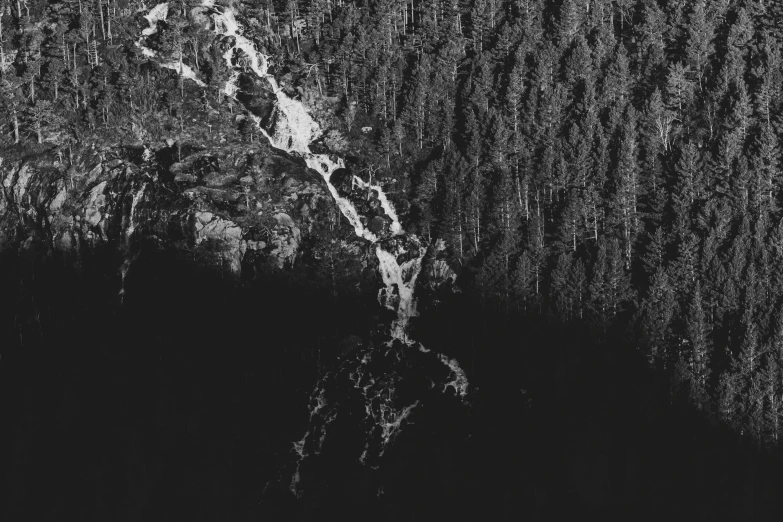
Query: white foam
[[184, 70], [157, 13], [294, 131], [388, 208], [136, 198], [403, 276]]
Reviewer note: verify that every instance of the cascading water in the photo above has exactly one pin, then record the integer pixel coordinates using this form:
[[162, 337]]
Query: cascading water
[[160, 12], [388, 394], [134, 204], [133, 221]]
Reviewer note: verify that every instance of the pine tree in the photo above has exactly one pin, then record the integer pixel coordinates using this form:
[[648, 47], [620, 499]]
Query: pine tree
[[43, 118], [571, 222], [699, 48], [12, 102], [728, 405], [766, 163], [452, 221], [679, 89], [655, 256], [685, 269], [524, 283], [576, 288], [572, 17], [747, 368], [652, 45], [558, 293], [656, 314], [609, 287], [579, 64], [734, 66], [741, 116], [627, 191], [768, 78], [769, 384], [424, 197], [618, 81], [54, 77], [475, 184], [776, 336], [698, 335], [722, 163], [415, 112]]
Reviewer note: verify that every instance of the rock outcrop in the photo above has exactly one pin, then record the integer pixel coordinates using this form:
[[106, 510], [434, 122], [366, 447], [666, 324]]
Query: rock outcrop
[[223, 201]]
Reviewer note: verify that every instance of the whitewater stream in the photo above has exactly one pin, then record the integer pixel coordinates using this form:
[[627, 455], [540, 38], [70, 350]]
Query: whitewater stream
[[375, 374]]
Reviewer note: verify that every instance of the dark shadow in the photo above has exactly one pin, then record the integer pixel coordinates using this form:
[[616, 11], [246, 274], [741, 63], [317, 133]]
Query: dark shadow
[[183, 402]]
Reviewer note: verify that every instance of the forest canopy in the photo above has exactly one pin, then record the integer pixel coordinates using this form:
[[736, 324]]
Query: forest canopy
[[612, 163]]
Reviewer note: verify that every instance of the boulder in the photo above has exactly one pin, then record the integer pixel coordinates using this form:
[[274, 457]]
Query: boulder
[[284, 220], [378, 225]]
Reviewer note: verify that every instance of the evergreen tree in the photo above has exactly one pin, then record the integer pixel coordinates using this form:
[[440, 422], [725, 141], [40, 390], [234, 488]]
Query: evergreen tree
[[769, 387], [657, 312], [766, 163], [627, 191], [609, 287], [699, 48], [424, 198], [698, 336], [679, 90], [655, 257]]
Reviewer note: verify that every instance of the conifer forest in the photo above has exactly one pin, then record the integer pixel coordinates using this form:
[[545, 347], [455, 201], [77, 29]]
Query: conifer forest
[[228, 223]]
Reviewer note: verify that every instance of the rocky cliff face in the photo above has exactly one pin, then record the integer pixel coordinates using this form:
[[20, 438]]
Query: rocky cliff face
[[228, 203]]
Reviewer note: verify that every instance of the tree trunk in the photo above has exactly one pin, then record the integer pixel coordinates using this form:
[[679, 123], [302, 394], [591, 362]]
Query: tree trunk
[[2, 53], [100, 8], [16, 126], [181, 79]]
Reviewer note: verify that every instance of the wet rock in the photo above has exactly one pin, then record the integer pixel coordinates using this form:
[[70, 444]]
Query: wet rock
[[95, 204], [342, 181], [378, 225], [284, 220], [226, 236], [22, 180], [286, 239], [56, 204], [210, 204]]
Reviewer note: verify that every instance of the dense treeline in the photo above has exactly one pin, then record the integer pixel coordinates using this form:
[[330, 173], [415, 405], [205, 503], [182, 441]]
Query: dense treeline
[[611, 163], [614, 163]]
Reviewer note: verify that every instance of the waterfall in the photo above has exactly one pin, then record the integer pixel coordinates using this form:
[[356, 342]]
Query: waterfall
[[157, 13], [399, 256], [126, 265], [136, 199]]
